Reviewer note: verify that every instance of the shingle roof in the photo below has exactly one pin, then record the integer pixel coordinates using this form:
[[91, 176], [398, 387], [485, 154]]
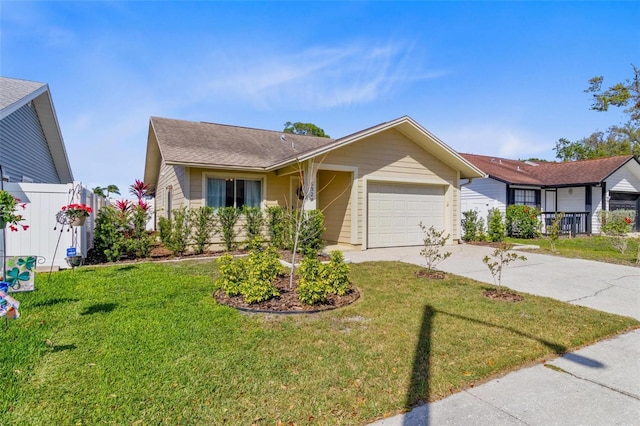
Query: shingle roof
[[548, 174], [188, 142], [13, 90]]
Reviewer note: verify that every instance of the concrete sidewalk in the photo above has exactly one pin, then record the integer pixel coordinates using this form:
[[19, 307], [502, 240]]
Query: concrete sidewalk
[[597, 385]]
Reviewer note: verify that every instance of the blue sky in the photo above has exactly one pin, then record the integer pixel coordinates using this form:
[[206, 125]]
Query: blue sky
[[495, 78]]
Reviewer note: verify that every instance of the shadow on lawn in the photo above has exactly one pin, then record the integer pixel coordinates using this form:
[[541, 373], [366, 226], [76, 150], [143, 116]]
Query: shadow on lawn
[[99, 308], [418, 392], [54, 301]]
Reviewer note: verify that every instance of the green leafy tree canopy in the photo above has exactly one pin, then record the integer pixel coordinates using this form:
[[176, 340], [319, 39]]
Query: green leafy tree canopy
[[306, 129], [620, 139]]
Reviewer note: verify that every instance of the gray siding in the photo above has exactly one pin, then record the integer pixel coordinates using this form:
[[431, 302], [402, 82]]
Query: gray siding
[[23, 148]]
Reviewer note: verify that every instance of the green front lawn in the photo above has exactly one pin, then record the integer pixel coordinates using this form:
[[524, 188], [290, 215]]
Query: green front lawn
[[583, 247], [147, 344]]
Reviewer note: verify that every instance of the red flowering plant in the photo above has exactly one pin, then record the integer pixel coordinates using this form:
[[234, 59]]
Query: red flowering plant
[[8, 215], [74, 211]]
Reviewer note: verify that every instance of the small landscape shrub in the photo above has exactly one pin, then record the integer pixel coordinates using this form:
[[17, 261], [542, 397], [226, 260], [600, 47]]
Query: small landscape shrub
[[180, 235], [311, 230], [262, 269], [164, 230], [432, 242], [277, 226], [231, 274], [254, 222], [140, 239], [204, 224], [522, 221], [472, 226], [109, 238], [616, 224], [227, 219], [495, 225], [252, 277], [500, 258], [313, 288], [336, 273], [553, 230]]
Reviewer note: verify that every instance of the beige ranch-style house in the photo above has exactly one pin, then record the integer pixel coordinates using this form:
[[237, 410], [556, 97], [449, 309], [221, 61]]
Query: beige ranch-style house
[[374, 186]]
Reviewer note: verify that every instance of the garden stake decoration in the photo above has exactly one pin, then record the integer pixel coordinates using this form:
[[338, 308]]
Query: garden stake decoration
[[8, 305]]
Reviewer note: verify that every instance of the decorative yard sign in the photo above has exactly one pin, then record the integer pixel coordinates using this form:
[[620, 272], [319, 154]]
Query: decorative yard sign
[[20, 273], [8, 305]]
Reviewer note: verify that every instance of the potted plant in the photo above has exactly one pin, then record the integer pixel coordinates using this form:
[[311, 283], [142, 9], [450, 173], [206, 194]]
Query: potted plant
[[8, 215], [76, 213]]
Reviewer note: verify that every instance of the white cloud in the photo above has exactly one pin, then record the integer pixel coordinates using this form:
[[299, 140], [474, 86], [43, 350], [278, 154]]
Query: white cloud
[[317, 77]]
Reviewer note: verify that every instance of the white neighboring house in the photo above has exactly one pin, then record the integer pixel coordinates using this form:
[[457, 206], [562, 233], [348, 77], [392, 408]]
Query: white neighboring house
[[581, 188], [36, 169]]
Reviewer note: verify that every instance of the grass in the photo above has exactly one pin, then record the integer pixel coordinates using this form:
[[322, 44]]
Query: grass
[[586, 247], [147, 344]]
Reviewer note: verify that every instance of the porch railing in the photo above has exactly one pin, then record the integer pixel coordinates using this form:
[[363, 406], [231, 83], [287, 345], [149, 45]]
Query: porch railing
[[573, 223]]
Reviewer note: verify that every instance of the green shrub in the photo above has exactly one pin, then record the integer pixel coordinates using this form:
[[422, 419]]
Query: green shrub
[[616, 222], [252, 277], [554, 230], [472, 226], [109, 238], [495, 225], [139, 239], [204, 224], [277, 226], [336, 274], [254, 222], [227, 219], [313, 288], [432, 242], [522, 221], [164, 229], [262, 267], [180, 236], [231, 274], [311, 230]]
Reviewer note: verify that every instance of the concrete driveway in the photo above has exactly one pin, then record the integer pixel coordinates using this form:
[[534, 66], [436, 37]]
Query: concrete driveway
[[597, 385]]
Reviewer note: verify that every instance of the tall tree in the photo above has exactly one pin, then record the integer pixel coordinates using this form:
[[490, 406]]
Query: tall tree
[[308, 129], [621, 139]]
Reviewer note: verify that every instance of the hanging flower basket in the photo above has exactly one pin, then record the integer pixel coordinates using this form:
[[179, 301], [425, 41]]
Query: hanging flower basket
[[78, 221], [76, 213]]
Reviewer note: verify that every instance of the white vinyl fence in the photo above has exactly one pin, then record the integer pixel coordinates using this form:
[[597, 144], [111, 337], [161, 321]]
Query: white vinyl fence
[[46, 238]]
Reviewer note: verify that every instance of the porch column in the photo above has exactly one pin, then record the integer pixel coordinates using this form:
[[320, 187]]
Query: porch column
[[309, 185]]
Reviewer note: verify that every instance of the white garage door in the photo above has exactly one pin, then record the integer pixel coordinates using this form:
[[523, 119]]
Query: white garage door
[[395, 211]]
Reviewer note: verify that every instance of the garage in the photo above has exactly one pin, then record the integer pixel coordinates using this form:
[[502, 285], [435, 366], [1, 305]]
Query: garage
[[626, 201], [394, 212]]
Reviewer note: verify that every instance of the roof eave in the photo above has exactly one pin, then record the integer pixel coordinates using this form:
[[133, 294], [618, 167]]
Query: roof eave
[[409, 128]]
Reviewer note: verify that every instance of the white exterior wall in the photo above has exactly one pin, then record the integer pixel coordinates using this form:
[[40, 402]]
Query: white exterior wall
[[625, 179], [483, 195], [43, 201], [571, 199], [596, 199]]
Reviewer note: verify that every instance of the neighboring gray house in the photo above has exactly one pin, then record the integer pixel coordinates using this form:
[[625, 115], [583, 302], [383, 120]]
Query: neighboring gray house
[[578, 187], [31, 145], [36, 169]]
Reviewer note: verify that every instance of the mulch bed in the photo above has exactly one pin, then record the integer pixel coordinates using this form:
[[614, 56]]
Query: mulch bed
[[429, 274], [506, 296], [287, 255], [288, 301]]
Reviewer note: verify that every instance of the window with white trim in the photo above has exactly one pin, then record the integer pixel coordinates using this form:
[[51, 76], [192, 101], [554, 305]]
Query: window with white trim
[[229, 192]]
